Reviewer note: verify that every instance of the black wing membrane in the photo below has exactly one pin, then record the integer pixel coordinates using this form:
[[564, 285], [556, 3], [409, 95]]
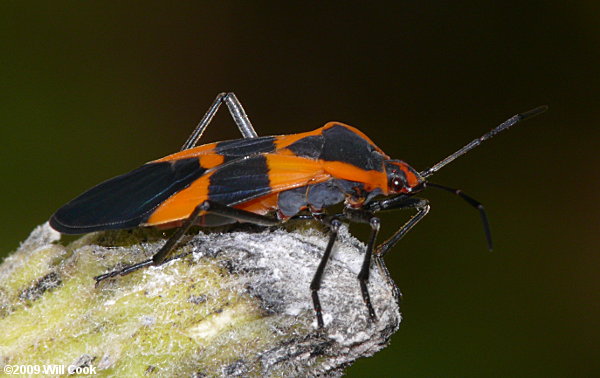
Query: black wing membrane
[[126, 201], [238, 148], [240, 180]]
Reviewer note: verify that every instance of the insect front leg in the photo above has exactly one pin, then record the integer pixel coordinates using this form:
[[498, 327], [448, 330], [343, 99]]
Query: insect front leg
[[206, 207], [422, 206], [394, 203], [237, 113]]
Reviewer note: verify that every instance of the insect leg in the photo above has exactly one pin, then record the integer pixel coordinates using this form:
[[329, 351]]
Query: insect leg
[[363, 275], [204, 208], [237, 113], [365, 216], [315, 285], [399, 202]]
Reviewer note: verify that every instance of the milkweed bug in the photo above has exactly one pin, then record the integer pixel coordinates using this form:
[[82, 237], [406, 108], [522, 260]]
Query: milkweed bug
[[266, 181]]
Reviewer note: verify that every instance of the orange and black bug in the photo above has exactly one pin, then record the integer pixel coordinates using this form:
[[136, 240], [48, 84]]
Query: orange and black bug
[[265, 181]]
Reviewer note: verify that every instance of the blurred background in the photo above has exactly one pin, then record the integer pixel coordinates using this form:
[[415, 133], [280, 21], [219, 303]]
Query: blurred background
[[90, 91]]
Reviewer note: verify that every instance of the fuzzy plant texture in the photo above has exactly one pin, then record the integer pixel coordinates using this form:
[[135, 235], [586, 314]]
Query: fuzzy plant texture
[[238, 303]]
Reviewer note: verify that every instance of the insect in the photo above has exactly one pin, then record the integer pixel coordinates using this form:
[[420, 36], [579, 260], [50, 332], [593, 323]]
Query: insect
[[266, 181]]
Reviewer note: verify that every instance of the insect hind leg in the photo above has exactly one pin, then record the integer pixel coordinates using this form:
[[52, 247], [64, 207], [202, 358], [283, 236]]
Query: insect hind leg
[[206, 207], [237, 113]]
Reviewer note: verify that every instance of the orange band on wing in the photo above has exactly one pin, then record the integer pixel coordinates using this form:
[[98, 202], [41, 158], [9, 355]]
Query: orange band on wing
[[180, 205], [288, 172], [192, 152]]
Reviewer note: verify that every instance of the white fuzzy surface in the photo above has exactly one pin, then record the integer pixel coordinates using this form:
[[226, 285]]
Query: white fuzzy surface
[[239, 304]]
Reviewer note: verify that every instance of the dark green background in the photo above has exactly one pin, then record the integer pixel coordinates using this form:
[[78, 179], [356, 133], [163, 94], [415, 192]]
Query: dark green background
[[90, 91]]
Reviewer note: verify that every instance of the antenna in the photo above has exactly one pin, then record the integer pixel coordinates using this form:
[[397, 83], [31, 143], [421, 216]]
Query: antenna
[[473, 202], [476, 142]]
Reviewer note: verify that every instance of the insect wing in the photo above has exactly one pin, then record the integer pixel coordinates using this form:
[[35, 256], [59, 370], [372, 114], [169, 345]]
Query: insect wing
[[127, 200], [240, 181], [227, 150]]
